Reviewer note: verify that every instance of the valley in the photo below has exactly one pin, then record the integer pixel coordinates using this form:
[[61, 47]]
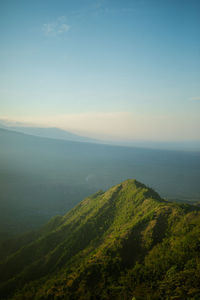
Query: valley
[[41, 177]]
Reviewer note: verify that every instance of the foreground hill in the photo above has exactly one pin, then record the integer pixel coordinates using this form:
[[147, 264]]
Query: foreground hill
[[123, 243]]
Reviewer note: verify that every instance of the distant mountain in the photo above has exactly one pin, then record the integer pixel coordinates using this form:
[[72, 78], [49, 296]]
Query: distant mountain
[[126, 243], [50, 132], [57, 133], [165, 145]]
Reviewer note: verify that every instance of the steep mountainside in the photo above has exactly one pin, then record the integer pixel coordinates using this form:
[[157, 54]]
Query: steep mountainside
[[120, 244]]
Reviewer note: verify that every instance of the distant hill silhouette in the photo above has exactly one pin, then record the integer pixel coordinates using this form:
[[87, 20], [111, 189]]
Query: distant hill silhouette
[[50, 132], [57, 133]]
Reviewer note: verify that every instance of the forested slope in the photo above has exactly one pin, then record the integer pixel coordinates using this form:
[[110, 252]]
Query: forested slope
[[123, 243]]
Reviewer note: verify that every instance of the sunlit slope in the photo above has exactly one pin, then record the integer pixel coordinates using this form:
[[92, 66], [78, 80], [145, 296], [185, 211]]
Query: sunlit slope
[[115, 245]]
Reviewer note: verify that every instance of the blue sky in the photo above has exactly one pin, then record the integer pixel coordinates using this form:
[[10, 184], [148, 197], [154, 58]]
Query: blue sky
[[117, 69]]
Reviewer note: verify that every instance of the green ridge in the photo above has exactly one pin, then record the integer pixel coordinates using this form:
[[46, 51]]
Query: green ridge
[[123, 243]]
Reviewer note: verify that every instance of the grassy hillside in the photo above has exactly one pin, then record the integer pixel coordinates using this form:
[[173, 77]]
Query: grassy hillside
[[123, 243], [41, 177]]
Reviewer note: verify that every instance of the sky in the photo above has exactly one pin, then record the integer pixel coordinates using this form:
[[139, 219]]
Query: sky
[[107, 69]]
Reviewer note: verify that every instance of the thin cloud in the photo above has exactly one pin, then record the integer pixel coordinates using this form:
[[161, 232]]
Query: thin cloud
[[195, 99], [56, 28], [63, 28]]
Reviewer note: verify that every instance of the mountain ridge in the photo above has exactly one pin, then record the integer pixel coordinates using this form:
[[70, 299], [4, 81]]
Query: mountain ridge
[[87, 253], [50, 132], [62, 134]]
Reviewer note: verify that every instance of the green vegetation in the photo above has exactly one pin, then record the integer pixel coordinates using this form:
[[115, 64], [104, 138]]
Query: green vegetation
[[126, 243]]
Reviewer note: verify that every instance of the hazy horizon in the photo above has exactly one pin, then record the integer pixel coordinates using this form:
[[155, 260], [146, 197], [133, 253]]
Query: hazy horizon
[[105, 69]]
